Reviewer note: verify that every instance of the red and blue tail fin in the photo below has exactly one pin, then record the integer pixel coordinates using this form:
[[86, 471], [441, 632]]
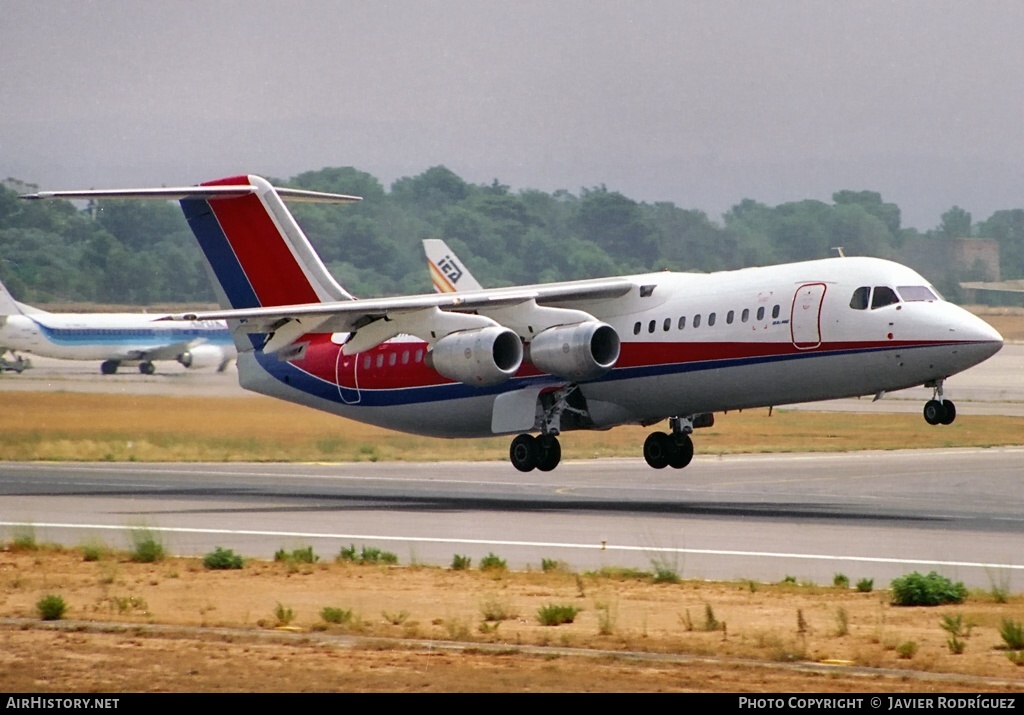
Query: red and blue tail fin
[[256, 251]]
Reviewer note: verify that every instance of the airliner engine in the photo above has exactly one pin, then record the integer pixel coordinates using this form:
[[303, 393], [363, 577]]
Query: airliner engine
[[578, 352], [480, 357], [202, 356]]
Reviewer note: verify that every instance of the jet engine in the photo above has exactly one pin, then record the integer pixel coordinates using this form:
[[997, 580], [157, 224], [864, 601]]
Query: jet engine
[[577, 352], [479, 357], [202, 356]]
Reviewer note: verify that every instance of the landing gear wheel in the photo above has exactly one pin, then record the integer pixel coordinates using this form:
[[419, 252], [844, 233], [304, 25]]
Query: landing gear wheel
[[524, 453], [658, 448], [950, 412], [934, 412], [550, 453], [109, 367], [682, 451], [147, 368]]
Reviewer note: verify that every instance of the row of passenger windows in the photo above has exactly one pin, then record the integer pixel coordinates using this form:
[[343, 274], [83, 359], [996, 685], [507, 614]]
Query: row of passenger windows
[[730, 318], [392, 358], [881, 296]]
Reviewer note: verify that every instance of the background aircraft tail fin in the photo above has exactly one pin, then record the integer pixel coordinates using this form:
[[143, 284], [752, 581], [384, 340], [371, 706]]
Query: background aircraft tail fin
[[8, 306], [447, 272], [256, 251]]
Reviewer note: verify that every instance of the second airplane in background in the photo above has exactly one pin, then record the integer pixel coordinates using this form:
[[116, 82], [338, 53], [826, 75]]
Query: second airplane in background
[[114, 338], [541, 360]]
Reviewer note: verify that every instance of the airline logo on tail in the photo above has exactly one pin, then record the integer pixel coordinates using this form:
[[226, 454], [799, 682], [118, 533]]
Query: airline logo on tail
[[446, 273]]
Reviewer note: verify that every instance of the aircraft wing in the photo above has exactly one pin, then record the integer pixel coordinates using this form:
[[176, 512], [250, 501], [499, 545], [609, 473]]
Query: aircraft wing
[[429, 316], [161, 352]]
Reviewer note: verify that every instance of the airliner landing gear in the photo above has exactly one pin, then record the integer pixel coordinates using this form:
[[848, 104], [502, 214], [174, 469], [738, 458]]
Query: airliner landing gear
[[109, 367], [528, 452], [674, 450], [938, 411], [147, 368]]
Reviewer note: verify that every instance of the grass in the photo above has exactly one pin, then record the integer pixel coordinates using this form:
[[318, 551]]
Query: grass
[[51, 607], [913, 589], [492, 562], [554, 614], [368, 555], [105, 427], [302, 555], [146, 547], [222, 559], [336, 616]]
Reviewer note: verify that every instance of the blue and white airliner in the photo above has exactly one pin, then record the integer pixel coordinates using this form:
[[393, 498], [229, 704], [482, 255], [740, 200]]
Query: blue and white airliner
[[115, 339]]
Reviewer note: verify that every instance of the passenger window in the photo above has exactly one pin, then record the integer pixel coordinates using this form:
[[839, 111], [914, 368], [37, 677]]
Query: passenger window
[[729, 317], [636, 328], [405, 357], [760, 313], [419, 355], [392, 359], [883, 296], [859, 301], [711, 319], [667, 324], [682, 322], [696, 320], [775, 312], [650, 327], [745, 315], [380, 359], [366, 362]]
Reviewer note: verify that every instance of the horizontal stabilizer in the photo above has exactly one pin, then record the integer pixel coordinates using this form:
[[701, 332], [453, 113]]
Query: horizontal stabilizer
[[195, 192]]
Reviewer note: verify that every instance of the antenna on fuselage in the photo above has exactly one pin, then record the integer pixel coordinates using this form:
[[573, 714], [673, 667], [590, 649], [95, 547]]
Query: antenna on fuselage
[[839, 250]]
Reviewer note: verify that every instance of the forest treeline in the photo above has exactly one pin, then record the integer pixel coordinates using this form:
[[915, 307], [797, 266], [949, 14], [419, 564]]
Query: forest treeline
[[142, 252]]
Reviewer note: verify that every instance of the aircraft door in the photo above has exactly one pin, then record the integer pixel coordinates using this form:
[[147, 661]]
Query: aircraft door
[[346, 375], [805, 320]]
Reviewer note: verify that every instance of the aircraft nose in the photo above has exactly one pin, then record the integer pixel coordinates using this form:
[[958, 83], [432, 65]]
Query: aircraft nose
[[984, 336]]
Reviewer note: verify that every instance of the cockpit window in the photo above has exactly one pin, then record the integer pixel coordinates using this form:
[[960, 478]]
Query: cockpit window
[[859, 301], [883, 296], [916, 293]]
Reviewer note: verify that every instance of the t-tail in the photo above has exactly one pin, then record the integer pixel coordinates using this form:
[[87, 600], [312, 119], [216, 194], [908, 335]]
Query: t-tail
[[8, 306]]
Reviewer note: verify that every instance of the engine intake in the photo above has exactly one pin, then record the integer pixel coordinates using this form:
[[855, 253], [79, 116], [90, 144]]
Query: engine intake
[[578, 352], [202, 356], [479, 357]]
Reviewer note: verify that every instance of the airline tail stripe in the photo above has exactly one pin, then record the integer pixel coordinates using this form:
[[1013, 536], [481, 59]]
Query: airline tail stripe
[[219, 254], [263, 252], [441, 282]]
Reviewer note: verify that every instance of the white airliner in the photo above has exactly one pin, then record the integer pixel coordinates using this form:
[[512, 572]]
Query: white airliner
[[546, 359], [114, 338]]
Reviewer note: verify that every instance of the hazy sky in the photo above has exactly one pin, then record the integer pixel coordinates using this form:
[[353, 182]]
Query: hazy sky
[[699, 103]]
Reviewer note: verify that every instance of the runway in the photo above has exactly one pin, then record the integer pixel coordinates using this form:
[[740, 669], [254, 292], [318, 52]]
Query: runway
[[761, 517]]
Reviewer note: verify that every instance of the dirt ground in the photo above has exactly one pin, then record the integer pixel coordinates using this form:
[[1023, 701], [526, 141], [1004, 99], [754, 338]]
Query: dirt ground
[[174, 626]]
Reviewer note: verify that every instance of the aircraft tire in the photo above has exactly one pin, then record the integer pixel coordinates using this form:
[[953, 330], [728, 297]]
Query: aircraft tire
[[147, 368], [949, 412], [682, 452], [524, 453], [934, 412], [550, 453], [657, 448], [108, 367]]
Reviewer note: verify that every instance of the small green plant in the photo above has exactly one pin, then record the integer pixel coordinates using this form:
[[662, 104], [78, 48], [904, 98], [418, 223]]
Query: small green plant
[[51, 607], [491, 562], [494, 608], [222, 559], [710, 622], [789, 580], [1000, 592], [146, 547], [556, 614], [94, 551], [461, 563], [24, 539], [841, 580], [283, 615], [665, 574], [842, 622], [367, 555], [1012, 633], [551, 565], [801, 622], [395, 619], [931, 590], [607, 614], [865, 585], [906, 650], [958, 631], [337, 616]]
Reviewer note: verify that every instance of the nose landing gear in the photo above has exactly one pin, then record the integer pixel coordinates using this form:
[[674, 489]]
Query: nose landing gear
[[938, 411]]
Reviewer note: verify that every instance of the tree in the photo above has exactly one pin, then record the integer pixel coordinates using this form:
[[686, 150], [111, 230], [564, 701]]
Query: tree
[[956, 223]]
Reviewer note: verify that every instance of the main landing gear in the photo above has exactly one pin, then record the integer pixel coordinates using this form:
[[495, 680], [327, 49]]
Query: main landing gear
[[528, 452], [674, 450], [938, 411]]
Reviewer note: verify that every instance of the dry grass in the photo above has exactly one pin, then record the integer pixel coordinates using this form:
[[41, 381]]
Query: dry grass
[[449, 605], [77, 426]]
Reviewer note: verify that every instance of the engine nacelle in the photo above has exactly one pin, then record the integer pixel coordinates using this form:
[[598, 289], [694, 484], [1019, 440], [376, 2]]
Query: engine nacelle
[[202, 356], [479, 357], [577, 352]]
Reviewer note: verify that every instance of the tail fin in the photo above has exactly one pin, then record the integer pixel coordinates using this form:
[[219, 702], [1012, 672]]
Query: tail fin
[[255, 249], [446, 271], [8, 306]]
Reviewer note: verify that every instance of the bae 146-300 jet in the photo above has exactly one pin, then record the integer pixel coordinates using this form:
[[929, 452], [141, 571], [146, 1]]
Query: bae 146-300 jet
[[115, 339], [545, 359]]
